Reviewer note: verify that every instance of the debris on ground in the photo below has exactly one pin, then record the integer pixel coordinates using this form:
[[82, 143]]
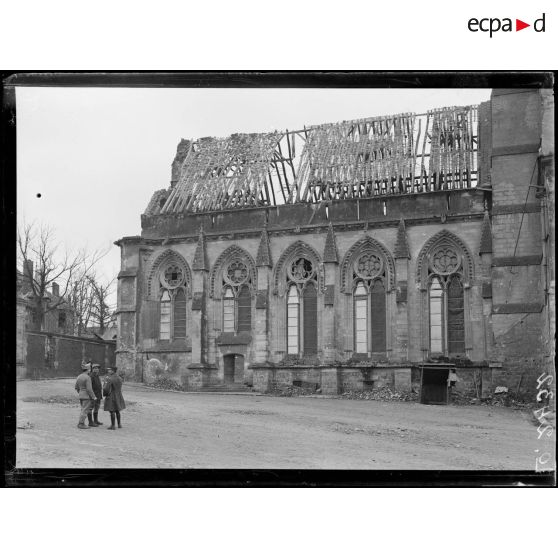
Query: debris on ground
[[292, 391], [500, 399], [381, 394], [167, 384], [26, 426]]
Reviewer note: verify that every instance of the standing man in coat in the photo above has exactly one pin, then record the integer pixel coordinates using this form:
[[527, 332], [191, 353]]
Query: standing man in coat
[[114, 402], [86, 395], [98, 391]]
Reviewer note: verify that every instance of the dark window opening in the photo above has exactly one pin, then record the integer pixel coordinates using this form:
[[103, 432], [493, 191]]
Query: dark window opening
[[378, 317], [179, 315], [456, 321], [310, 307], [244, 302]]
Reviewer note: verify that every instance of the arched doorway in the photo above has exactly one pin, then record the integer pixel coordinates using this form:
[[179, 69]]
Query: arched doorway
[[234, 368]]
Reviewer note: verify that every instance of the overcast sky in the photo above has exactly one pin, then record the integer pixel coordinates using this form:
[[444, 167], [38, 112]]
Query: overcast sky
[[96, 155]]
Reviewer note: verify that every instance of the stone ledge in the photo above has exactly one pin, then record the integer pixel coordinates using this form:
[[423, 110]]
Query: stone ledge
[[513, 208], [518, 308], [517, 261], [132, 272], [126, 308], [201, 366], [231, 338], [169, 347], [522, 149]]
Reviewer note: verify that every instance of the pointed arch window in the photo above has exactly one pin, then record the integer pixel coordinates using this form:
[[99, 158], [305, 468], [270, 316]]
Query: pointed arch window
[[369, 303], [172, 303], [446, 302], [302, 307], [237, 297]]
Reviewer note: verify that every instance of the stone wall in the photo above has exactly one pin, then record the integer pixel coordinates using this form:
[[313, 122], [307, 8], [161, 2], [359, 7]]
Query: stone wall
[[517, 293], [548, 234], [51, 355]]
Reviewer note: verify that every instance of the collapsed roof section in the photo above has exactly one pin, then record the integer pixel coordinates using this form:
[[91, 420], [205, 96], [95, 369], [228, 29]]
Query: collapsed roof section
[[398, 154]]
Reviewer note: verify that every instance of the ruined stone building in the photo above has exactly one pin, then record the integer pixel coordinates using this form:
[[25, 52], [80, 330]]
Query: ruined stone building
[[350, 255]]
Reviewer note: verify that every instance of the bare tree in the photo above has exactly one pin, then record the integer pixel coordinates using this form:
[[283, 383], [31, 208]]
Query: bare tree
[[101, 310], [45, 265], [80, 298]]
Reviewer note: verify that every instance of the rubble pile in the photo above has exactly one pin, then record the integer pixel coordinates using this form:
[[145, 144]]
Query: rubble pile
[[168, 384], [500, 399], [381, 394], [293, 391]]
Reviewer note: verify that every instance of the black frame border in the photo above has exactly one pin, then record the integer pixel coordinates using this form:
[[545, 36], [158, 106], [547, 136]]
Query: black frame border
[[216, 477]]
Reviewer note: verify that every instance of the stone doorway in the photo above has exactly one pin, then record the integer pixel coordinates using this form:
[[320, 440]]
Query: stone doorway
[[234, 368]]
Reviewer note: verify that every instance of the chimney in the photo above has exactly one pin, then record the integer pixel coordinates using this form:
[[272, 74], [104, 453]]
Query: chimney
[[55, 289], [28, 269], [27, 275]]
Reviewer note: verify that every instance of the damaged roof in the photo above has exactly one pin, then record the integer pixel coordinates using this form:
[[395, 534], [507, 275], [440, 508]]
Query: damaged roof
[[395, 154]]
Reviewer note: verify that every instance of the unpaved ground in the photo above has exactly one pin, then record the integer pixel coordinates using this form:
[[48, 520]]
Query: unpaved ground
[[207, 430]]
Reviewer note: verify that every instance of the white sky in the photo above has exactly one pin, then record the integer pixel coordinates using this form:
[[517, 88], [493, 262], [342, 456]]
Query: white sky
[[96, 155]]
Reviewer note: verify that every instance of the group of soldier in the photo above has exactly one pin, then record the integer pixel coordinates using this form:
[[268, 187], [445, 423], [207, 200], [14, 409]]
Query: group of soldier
[[91, 391]]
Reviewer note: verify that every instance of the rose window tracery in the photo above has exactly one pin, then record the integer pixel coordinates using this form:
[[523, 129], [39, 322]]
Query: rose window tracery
[[445, 261], [368, 266], [172, 276], [301, 270], [236, 273]]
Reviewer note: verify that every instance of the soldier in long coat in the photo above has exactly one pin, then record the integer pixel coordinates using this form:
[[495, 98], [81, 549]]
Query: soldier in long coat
[[114, 402], [98, 391], [86, 395]]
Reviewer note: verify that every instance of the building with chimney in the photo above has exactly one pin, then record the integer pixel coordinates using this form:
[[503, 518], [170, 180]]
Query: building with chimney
[[352, 255], [58, 314]]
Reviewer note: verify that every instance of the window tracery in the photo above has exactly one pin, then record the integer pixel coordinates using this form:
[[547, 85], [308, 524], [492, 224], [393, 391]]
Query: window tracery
[[367, 274], [369, 302], [168, 284], [445, 269], [237, 297], [302, 306]]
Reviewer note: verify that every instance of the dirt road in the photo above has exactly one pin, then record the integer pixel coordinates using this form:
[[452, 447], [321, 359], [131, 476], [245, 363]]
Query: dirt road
[[213, 430]]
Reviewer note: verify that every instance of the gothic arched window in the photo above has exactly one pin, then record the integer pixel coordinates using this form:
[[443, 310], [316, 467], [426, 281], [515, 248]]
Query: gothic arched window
[[369, 302], [447, 323], [302, 307], [172, 298], [237, 297], [445, 269], [368, 281]]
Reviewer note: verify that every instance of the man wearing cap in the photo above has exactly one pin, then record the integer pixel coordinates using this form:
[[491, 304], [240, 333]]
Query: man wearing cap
[[98, 391], [86, 395], [114, 402]]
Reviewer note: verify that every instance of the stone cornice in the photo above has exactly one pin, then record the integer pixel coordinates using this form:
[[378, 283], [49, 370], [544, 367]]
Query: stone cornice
[[310, 229]]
